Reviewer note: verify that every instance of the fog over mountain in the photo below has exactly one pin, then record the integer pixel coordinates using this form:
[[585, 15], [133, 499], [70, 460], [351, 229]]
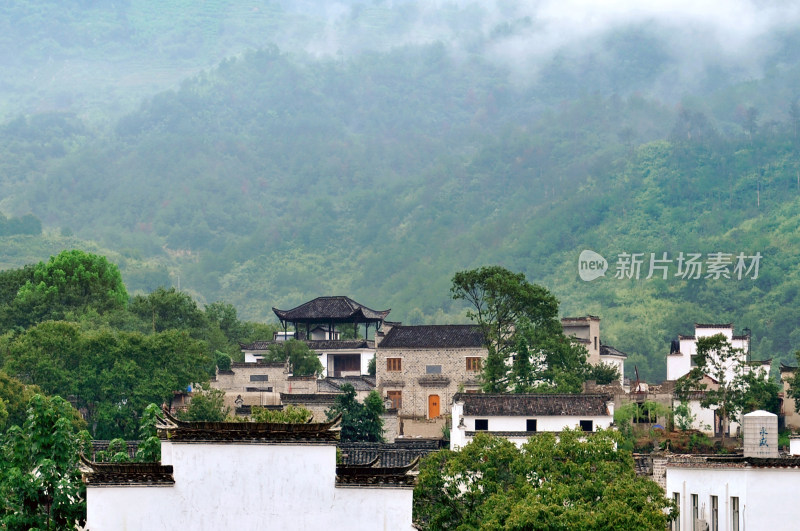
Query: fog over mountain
[[77, 56], [265, 153]]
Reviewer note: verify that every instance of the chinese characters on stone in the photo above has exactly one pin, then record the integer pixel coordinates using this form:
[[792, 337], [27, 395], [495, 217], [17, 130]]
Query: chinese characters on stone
[[688, 266]]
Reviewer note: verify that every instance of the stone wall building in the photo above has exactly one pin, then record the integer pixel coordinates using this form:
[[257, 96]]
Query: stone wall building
[[420, 368]]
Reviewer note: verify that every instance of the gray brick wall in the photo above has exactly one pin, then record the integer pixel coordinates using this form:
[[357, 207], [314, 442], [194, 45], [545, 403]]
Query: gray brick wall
[[417, 384]]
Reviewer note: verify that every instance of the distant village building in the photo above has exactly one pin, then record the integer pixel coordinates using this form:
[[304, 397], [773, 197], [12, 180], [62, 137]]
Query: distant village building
[[520, 416], [682, 351], [755, 490], [248, 476], [586, 330], [680, 362], [421, 368]]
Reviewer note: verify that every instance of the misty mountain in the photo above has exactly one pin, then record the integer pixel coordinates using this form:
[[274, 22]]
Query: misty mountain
[[379, 148]]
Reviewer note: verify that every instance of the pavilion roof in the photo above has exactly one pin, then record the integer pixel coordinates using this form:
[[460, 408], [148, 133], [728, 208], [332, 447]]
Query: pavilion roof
[[338, 309]]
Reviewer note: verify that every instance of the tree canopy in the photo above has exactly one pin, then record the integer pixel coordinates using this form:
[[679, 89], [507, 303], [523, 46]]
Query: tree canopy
[[521, 330], [302, 360], [41, 485], [572, 481], [360, 422]]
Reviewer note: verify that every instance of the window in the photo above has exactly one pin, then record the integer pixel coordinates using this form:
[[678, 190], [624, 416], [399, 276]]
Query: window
[[595, 342], [259, 377], [695, 512], [587, 425], [473, 364], [481, 424], [531, 425], [396, 397], [735, 513], [676, 522], [714, 514], [433, 369], [394, 364]]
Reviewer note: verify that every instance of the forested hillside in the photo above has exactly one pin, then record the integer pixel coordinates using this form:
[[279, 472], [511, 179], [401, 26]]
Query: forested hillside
[[381, 165]]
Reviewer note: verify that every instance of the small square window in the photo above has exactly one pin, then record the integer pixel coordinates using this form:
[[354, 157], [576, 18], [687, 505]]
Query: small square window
[[394, 364], [587, 425], [481, 424], [433, 369], [531, 425]]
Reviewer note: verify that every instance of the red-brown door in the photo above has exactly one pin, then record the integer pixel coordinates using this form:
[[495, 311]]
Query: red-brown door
[[433, 406]]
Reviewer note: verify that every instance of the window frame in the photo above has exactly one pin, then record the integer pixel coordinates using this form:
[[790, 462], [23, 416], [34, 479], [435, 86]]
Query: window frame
[[484, 423], [714, 513], [473, 363], [394, 364], [735, 513], [396, 397]]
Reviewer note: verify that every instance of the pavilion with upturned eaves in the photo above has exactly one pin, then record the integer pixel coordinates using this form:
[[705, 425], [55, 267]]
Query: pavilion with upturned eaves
[[326, 313], [318, 323]]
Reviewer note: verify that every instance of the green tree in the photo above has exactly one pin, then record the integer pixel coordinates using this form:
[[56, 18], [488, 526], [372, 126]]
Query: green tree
[[360, 422], [603, 373], [207, 404], [72, 280], [302, 360], [717, 359], [760, 393], [289, 414], [112, 375], [567, 482], [149, 449], [515, 314], [168, 309], [41, 485]]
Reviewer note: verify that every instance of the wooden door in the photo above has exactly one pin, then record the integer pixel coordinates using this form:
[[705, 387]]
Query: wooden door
[[433, 406]]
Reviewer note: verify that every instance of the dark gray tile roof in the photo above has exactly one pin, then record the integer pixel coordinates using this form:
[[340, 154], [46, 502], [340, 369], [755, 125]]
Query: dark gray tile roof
[[327, 344], [433, 336], [606, 350], [388, 454], [477, 404], [126, 474], [331, 309], [334, 385]]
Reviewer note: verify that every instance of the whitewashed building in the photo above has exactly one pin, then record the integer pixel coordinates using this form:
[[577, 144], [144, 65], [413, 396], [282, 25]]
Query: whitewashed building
[[682, 351], [519, 416], [247, 476], [756, 490]]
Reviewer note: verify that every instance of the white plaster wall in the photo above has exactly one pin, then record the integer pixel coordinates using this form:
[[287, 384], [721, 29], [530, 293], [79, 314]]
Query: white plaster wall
[[249, 487], [679, 365], [704, 418], [614, 361], [459, 438], [543, 423], [767, 496]]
